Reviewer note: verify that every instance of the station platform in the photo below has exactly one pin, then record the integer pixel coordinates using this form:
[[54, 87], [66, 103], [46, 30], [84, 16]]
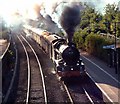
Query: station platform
[[105, 77], [3, 46]]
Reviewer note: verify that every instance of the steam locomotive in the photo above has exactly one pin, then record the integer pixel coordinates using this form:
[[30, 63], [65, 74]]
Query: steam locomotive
[[65, 56]]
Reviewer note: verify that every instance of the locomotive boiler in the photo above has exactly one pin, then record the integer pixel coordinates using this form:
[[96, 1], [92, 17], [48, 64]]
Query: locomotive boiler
[[65, 56]]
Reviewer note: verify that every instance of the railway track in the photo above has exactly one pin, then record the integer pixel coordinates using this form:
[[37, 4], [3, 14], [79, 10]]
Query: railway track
[[93, 93], [84, 92], [11, 75], [66, 99], [76, 93], [35, 91]]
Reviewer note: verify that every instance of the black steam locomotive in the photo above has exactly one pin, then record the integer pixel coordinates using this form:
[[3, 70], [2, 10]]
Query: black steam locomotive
[[65, 56]]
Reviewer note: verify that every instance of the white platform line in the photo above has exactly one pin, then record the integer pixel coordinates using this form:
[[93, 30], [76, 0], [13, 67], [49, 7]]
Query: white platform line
[[101, 69], [101, 89]]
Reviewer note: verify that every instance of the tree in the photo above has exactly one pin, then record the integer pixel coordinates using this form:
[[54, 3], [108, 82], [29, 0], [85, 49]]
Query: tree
[[109, 17], [78, 40], [117, 20], [90, 19]]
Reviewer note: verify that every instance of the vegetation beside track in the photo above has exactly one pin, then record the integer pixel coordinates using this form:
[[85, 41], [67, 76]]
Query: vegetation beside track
[[88, 33]]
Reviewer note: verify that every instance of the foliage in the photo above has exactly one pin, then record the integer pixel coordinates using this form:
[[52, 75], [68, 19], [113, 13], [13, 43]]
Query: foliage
[[92, 24], [118, 24], [3, 30], [78, 40], [96, 22], [94, 44], [90, 19]]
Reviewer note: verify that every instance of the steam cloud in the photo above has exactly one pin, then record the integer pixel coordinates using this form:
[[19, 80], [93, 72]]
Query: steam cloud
[[70, 18], [56, 13], [45, 20]]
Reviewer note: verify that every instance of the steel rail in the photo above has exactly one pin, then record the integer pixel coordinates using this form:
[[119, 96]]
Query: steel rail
[[67, 91], [70, 97], [13, 77], [71, 100], [28, 61], [88, 96], [40, 69], [1, 57], [104, 93]]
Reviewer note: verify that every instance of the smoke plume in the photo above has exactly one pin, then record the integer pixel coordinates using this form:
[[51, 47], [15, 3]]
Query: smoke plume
[[44, 20], [70, 18], [50, 25]]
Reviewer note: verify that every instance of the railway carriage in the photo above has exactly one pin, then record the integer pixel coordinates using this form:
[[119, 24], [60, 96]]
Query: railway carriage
[[36, 35]]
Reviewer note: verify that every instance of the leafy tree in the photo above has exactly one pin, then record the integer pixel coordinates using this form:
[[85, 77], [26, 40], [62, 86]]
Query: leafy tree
[[117, 19], [90, 19], [85, 16], [78, 40], [109, 17], [92, 23]]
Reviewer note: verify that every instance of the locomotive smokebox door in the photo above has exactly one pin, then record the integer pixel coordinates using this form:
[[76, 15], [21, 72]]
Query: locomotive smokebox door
[[71, 55]]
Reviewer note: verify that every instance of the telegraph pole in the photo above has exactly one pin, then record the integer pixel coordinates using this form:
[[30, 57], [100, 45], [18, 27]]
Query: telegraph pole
[[115, 51], [116, 58], [115, 45]]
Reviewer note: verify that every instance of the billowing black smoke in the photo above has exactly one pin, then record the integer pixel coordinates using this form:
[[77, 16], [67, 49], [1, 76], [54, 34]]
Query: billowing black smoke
[[70, 18]]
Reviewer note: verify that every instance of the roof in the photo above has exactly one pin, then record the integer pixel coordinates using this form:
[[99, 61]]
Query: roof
[[52, 37], [111, 46]]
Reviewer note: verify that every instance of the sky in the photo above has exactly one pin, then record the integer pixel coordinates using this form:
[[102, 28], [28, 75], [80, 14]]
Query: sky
[[100, 4], [26, 7]]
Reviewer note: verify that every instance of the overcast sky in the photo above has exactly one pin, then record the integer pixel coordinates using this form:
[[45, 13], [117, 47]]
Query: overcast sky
[[8, 7]]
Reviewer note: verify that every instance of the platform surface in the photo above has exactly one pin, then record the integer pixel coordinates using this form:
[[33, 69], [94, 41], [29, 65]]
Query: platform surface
[[104, 76], [3, 46]]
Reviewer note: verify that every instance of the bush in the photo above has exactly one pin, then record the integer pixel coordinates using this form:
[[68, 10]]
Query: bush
[[90, 43], [94, 45], [78, 40]]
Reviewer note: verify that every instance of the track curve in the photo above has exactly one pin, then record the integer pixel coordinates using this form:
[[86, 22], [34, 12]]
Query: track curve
[[34, 85]]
